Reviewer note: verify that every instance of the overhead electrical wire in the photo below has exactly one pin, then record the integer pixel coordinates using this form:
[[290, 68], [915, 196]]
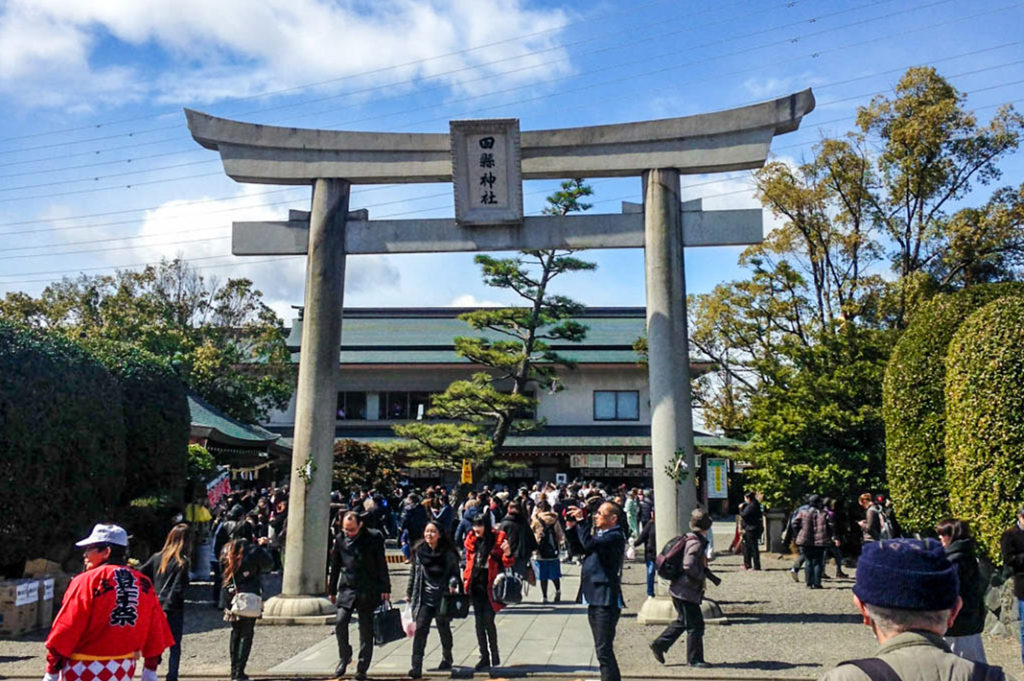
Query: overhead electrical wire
[[716, 180], [387, 86], [413, 81], [821, 104], [586, 87], [362, 74]]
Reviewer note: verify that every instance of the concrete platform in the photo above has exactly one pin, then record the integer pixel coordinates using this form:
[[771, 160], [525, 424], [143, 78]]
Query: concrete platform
[[533, 637]]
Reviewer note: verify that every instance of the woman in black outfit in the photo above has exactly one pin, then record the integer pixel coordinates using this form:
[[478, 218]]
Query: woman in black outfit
[[168, 569], [435, 570], [243, 564]]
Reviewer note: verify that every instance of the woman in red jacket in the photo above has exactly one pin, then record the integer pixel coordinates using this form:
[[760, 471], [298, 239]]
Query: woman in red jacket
[[487, 553]]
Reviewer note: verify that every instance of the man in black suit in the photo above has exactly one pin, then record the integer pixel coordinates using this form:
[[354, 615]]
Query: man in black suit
[[359, 582], [601, 579]]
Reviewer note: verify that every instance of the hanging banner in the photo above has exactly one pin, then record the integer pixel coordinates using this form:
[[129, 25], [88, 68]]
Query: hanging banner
[[467, 472], [616, 461], [578, 460], [218, 487], [718, 479]]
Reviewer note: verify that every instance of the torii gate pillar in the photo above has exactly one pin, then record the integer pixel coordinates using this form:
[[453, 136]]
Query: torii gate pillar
[[306, 545], [668, 357]]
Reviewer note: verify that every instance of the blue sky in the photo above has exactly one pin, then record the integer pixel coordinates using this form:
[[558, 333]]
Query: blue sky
[[97, 169]]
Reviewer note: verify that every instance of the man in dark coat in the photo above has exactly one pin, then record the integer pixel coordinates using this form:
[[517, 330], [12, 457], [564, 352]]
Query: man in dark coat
[[601, 579], [415, 520], [752, 524], [359, 582]]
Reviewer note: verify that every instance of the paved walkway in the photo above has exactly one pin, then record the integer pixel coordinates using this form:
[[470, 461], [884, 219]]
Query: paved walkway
[[535, 637]]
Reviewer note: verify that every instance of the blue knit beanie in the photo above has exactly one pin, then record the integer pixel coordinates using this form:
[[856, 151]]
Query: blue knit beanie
[[909, 574]]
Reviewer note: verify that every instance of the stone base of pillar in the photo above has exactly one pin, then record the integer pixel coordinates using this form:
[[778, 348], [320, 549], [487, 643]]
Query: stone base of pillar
[[298, 610], [659, 611]]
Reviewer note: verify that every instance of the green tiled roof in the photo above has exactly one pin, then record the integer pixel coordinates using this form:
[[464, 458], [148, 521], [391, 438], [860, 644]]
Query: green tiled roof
[[426, 336], [399, 356], [223, 428], [562, 442]]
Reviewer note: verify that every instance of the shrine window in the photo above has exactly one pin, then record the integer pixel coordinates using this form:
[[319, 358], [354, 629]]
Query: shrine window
[[351, 406], [616, 405]]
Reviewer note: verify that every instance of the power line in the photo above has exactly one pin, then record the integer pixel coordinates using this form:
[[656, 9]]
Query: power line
[[743, 51], [717, 180], [812, 55], [821, 104], [390, 86], [410, 81], [362, 74]]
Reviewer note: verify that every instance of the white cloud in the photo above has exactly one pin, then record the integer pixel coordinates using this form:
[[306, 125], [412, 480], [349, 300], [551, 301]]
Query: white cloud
[[233, 48], [469, 300]]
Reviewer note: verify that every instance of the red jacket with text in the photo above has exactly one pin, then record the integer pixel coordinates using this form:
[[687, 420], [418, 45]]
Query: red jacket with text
[[110, 611]]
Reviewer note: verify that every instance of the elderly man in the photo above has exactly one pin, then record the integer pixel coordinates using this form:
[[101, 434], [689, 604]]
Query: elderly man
[[687, 591], [908, 593], [601, 579], [110, 615]]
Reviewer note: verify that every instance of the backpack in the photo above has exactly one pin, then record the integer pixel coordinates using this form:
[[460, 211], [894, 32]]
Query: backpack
[[669, 563], [887, 530], [547, 547]]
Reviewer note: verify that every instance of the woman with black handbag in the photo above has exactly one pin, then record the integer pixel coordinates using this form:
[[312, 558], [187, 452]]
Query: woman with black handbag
[[487, 553], [435, 573], [242, 566]]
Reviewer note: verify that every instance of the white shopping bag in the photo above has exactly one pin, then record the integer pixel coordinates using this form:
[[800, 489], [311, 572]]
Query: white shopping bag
[[408, 623]]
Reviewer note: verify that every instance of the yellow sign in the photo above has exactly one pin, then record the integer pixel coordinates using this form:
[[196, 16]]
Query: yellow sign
[[467, 472]]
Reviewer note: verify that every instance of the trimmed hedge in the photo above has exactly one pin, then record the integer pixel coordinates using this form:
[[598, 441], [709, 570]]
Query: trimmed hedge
[[61, 442], [985, 420], [157, 420], [914, 405]]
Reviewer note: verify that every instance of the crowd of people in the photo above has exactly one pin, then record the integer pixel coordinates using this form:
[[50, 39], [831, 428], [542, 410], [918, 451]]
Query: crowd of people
[[466, 547], [921, 597]]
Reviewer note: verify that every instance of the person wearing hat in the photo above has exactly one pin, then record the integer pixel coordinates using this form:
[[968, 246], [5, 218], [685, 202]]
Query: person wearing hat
[[687, 591], [907, 591], [601, 578], [110, 614]]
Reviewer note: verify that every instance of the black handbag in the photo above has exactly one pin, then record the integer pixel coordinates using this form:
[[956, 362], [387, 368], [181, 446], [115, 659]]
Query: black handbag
[[508, 588], [453, 606], [387, 624]]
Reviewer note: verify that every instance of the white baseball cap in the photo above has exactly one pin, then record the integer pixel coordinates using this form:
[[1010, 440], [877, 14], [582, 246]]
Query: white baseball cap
[[106, 534]]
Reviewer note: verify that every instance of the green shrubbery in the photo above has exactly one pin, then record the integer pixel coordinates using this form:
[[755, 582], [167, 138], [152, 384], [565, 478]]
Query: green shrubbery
[[84, 433], [156, 418], [985, 419], [914, 405], [62, 436]]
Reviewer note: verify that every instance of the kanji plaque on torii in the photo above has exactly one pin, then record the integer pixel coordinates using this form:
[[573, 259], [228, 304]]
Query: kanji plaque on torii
[[657, 152], [487, 172]]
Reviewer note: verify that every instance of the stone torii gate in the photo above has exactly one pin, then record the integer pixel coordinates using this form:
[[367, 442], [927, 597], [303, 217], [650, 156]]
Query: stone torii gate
[[331, 161]]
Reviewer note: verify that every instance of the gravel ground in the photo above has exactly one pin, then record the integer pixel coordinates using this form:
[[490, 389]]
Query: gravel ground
[[777, 628]]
